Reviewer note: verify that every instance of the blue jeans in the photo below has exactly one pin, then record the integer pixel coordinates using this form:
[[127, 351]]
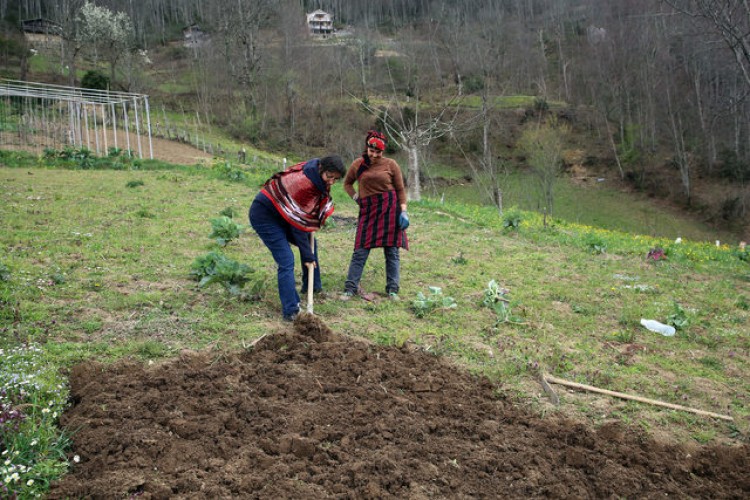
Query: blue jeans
[[357, 266], [276, 234]]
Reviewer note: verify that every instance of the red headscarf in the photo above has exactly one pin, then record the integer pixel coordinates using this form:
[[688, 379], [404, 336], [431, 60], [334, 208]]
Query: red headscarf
[[376, 140]]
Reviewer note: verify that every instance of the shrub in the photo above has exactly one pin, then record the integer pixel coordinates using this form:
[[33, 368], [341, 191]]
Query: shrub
[[731, 167], [95, 81], [541, 105], [473, 83]]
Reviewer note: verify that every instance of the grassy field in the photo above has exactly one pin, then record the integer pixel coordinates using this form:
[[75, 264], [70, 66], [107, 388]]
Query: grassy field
[[595, 203], [95, 264]]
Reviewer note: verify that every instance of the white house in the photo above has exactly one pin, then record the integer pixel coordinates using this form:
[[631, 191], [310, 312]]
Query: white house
[[320, 22]]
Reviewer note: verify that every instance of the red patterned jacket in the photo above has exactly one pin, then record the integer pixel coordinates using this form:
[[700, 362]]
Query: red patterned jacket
[[303, 203]]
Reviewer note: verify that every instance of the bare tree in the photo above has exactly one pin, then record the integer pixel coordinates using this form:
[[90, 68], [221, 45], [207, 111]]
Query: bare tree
[[476, 47], [542, 144], [239, 25], [717, 93], [410, 122], [66, 15], [730, 19]]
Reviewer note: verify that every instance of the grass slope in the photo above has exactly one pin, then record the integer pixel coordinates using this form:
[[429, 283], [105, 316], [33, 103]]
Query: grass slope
[[98, 264]]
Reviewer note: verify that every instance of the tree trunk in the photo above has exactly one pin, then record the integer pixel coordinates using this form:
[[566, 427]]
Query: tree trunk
[[414, 188]]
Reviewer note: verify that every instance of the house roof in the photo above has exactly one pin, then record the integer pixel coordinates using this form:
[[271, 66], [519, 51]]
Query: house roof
[[319, 14]]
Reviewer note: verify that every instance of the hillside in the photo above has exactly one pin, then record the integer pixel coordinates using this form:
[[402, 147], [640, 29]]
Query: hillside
[[180, 108], [96, 270]]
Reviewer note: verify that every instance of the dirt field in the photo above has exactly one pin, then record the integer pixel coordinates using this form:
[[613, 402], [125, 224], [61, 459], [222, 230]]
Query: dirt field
[[306, 413]]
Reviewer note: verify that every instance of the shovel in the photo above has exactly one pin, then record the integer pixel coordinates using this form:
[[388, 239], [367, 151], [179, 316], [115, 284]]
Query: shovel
[[309, 324], [310, 277]]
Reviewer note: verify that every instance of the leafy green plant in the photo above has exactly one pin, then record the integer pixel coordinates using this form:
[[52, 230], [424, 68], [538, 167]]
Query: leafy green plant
[[224, 230], [4, 273], [57, 277], [82, 158], [134, 184], [743, 254], [228, 172], [425, 304], [624, 336], [512, 219], [495, 298], [595, 243], [228, 212], [460, 259], [215, 267], [679, 318], [494, 293], [144, 213]]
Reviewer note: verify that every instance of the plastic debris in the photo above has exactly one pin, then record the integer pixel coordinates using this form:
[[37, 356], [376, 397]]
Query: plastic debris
[[655, 326]]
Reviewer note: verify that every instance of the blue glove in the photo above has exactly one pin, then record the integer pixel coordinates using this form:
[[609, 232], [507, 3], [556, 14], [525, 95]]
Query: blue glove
[[403, 221]]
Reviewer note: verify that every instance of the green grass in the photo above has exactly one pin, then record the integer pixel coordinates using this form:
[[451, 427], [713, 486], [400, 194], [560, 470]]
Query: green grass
[[87, 275], [507, 102], [595, 204]]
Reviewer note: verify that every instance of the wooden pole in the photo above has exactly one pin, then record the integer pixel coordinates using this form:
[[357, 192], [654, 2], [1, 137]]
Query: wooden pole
[[555, 380]]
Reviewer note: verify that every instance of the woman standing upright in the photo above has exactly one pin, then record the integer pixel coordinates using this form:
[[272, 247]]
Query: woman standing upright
[[291, 205], [382, 213]]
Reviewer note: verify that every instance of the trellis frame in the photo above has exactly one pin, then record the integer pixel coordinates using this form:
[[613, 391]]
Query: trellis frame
[[55, 115]]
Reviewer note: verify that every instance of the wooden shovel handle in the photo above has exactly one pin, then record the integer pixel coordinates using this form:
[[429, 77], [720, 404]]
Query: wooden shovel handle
[[310, 276]]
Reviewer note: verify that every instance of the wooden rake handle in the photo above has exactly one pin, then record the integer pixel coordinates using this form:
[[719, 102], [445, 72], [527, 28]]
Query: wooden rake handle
[[631, 397]]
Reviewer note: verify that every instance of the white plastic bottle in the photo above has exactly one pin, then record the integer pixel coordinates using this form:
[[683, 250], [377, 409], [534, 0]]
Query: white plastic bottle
[[657, 327]]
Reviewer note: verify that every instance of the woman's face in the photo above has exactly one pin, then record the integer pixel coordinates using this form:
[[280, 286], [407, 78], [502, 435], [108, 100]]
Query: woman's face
[[374, 153], [330, 178]]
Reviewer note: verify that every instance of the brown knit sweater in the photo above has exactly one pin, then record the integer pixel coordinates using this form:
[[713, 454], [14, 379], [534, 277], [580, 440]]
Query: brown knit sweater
[[381, 176]]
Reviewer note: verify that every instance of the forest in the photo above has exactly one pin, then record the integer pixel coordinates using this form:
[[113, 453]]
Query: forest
[[659, 87]]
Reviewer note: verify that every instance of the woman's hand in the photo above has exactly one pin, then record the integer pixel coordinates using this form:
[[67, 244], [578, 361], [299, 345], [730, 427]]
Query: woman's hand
[[403, 220]]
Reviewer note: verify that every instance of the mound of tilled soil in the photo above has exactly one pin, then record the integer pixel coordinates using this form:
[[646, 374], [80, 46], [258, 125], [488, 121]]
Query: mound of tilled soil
[[310, 414]]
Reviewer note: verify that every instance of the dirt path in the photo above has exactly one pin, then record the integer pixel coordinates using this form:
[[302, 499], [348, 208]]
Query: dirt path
[[310, 414], [164, 149]]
